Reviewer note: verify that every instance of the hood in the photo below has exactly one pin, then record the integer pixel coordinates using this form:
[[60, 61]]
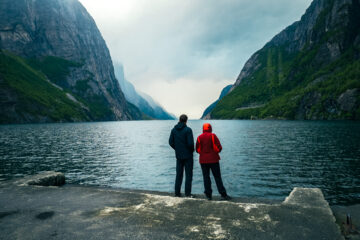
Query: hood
[[180, 126], [207, 127]]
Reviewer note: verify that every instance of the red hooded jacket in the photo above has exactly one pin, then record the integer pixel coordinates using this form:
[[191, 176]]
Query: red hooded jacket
[[208, 146]]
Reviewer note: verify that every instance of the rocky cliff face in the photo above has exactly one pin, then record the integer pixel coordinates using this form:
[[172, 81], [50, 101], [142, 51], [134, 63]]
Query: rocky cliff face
[[304, 72], [37, 29]]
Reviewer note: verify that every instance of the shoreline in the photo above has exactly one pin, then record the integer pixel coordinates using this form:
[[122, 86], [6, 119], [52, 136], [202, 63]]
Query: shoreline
[[83, 212]]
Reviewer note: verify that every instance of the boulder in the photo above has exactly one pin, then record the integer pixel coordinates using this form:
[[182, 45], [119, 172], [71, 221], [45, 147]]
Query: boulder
[[48, 178]]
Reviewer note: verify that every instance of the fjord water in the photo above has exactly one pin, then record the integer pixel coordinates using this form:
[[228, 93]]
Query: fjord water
[[261, 159]]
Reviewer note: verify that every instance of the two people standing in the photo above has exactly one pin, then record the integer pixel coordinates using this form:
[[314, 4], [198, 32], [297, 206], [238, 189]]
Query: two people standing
[[208, 146]]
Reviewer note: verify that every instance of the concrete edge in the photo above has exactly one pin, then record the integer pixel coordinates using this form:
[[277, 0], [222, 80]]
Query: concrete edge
[[311, 198]]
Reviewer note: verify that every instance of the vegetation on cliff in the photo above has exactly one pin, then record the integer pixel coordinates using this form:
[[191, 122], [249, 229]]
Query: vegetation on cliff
[[311, 70], [31, 97], [56, 48]]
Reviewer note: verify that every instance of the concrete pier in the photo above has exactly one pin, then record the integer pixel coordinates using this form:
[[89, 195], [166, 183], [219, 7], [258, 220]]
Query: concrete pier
[[78, 212]]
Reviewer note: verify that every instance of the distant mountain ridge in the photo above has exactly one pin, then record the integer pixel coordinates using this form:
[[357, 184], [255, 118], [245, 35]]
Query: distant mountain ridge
[[55, 65], [159, 111], [144, 102], [310, 70], [206, 114]]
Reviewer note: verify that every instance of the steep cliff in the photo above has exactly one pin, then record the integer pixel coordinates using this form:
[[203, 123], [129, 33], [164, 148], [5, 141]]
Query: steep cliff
[[144, 102], [310, 70], [60, 41]]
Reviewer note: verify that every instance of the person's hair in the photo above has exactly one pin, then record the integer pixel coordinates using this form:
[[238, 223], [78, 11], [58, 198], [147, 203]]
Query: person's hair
[[183, 118]]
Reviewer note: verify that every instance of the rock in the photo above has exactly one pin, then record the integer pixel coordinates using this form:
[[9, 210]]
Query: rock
[[347, 100], [48, 178], [310, 99], [302, 60], [250, 66], [37, 29]]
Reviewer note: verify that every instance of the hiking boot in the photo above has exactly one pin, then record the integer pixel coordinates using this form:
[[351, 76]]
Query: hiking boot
[[178, 195], [208, 197], [226, 198]]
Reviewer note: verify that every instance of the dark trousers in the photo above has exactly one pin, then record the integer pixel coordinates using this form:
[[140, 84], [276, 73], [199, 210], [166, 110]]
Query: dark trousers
[[215, 169], [180, 165]]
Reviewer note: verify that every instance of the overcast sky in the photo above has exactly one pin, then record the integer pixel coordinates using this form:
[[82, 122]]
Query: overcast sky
[[183, 52]]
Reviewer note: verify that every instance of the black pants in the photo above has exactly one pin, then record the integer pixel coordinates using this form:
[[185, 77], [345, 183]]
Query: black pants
[[180, 165], [215, 169]]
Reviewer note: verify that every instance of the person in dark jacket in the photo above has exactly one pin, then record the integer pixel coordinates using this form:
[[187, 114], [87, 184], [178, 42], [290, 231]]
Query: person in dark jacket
[[208, 146], [182, 141]]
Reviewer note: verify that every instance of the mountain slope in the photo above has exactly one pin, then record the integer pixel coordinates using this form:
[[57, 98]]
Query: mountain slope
[[61, 40], [27, 96], [310, 70], [144, 102], [206, 114]]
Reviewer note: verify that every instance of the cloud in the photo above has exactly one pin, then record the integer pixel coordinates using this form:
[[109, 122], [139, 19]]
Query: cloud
[[204, 41], [185, 95]]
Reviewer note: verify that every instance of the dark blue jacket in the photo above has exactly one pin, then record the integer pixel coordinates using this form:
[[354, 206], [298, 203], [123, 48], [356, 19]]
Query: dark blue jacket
[[182, 141]]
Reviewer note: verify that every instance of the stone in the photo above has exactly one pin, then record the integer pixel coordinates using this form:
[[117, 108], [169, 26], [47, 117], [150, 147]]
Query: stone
[[48, 178], [308, 100], [64, 29], [347, 100], [294, 58]]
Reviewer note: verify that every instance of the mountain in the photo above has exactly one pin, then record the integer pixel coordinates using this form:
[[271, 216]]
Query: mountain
[[206, 114], [310, 70], [55, 65], [159, 112], [141, 100]]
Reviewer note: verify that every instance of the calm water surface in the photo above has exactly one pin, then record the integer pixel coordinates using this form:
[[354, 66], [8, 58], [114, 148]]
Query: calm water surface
[[262, 159]]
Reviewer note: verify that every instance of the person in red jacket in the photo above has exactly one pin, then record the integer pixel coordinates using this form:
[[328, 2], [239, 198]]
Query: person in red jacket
[[208, 146]]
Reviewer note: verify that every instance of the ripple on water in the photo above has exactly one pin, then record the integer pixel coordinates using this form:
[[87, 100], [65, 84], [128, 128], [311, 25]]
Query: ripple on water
[[259, 159]]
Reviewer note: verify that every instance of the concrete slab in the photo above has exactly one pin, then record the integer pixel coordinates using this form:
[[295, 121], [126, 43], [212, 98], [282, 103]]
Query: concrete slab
[[78, 212]]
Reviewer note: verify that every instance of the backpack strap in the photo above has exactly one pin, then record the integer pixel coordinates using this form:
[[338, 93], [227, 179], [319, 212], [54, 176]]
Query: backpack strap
[[214, 145]]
